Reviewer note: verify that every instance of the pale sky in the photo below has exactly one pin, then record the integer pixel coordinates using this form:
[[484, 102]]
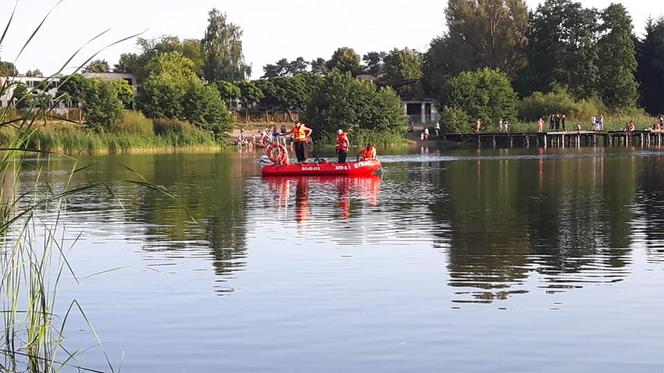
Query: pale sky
[[272, 29]]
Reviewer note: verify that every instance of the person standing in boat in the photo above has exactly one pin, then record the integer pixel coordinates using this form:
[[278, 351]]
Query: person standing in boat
[[343, 145], [369, 152], [301, 136]]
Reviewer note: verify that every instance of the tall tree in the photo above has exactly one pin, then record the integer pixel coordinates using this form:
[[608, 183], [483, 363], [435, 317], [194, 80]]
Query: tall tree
[[98, 66], [650, 73], [283, 67], [345, 60], [373, 63], [562, 49], [617, 64], [7, 69], [319, 66], [222, 44], [36, 73], [401, 64], [488, 33]]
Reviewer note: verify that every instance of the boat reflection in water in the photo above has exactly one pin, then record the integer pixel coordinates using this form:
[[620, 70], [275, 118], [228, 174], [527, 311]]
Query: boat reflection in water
[[324, 195]]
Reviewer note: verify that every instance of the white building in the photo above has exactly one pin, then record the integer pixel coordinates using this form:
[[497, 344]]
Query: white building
[[35, 83]]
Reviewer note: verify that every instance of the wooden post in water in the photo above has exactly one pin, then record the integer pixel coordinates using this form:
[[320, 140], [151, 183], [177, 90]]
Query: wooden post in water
[[511, 141], [527, 138]]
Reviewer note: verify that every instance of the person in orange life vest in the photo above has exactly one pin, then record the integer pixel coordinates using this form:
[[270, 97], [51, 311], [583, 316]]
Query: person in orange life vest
[[300, 137], [369, 152], [343, 145]]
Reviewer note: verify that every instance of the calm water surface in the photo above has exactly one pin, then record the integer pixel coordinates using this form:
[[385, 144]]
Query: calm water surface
[[460, 261]]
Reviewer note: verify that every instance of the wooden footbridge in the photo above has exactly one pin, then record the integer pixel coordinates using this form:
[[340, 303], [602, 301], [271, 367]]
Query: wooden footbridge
[[573, 139]]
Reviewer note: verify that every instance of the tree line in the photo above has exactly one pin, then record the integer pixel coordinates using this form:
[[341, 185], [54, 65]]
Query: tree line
[[496, 60]]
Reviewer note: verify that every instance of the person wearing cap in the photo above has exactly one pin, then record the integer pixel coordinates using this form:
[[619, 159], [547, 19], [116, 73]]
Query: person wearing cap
[[301, 135], [343, 145]]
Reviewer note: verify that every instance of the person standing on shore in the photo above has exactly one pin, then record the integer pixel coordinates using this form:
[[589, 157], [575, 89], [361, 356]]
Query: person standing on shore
[[478, 125], [343, 145], [540, 125], [563, 119], [301, 136]]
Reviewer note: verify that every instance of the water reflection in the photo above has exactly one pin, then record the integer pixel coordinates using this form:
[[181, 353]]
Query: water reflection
[[566, 227], [348, 194]]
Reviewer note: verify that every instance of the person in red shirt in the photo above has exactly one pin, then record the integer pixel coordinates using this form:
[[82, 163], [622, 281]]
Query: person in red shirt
[[343, 145]]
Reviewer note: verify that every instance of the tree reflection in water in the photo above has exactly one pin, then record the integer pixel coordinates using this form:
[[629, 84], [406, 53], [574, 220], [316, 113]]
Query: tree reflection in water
[[565, 221]]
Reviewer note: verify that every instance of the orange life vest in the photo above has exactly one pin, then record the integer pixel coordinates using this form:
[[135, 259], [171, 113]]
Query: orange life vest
[[342, 142], [369, 153], [300, 133]]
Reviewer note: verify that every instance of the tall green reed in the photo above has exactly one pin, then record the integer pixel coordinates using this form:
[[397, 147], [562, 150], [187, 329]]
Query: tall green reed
[[33, 253]]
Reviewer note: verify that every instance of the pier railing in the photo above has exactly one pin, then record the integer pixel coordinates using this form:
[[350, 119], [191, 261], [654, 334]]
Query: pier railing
[[559, 139]]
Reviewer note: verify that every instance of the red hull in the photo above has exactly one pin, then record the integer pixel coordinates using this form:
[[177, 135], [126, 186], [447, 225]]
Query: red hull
[[368, 167]]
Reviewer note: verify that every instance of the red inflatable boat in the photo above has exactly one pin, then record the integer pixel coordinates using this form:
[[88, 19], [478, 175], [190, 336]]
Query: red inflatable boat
[[361, 168]]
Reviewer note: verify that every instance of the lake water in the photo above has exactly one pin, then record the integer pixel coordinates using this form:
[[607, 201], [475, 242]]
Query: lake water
[[456, 261]]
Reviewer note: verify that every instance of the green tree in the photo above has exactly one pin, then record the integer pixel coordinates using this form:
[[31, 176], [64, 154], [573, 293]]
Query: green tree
[[101, 105], [7, 69], [319, 66], [228, 91], [174, 91], [222, 45], [345, 60], [203, 107], [373, 63], [250, 94], [490, 33], [125, 92], [617, 84], [403, 64], [562, 49], [486, 94], [650, 72], [36, 73], [72, 88], [283, 67], [129, 63], [341, 101], [22, 97], [98, 66]]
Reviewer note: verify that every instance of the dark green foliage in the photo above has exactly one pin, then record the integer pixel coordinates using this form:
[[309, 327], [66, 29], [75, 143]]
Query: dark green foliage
[[174, 91], [203, 107], [541, 105], [319, 66], [650, 73], [562, 49], [98, 66], [125, 92], [486, 94], [283, 67], [345, 60], [22, 97], [347, 103], [101, 105], [373, 63], [227, 90], [490, 33], [617, 63]]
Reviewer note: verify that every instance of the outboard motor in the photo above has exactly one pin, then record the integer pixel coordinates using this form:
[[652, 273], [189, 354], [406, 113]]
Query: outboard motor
[[265, 161]]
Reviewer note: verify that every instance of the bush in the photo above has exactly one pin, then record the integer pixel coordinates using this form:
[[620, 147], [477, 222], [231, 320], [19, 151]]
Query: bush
[[102, 107], [455, 120], [558, 101], [342, 101], [486, 94], [134, 123]]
